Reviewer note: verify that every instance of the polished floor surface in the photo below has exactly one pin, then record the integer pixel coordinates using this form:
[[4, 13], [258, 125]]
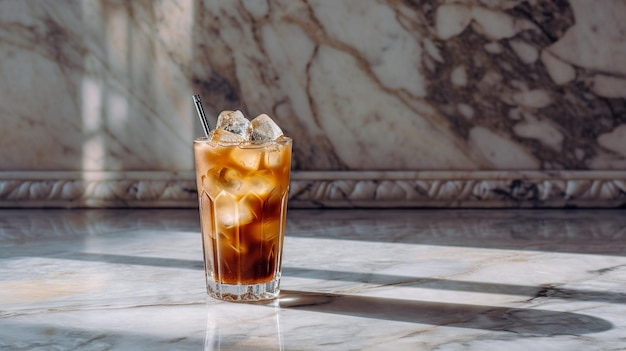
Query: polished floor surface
[[121, 279]]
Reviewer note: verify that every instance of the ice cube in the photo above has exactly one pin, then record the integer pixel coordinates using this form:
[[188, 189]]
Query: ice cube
[[250, 207], [234, 122], [247, 157], [225, 210], [260, 183], [273, 158], [231, 211], [264, 128], [222, 179], [220, 135]]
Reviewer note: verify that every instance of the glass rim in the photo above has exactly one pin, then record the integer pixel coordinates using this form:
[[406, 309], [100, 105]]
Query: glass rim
[[283, 141]]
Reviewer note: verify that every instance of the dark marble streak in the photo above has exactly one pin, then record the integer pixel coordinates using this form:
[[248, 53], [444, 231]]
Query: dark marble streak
[[580, 115]]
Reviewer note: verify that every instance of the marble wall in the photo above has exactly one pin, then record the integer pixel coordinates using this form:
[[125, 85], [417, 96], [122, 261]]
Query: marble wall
[[392, 103]]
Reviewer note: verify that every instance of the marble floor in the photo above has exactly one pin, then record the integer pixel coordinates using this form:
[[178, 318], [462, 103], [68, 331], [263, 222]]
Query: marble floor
[[120, 279]]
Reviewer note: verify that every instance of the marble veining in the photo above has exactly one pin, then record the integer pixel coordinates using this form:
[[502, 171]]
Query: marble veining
[[360, 85], [464, 86], [353, 280]]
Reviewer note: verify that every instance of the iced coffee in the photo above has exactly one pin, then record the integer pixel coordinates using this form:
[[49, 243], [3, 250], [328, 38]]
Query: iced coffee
[[242, 174]]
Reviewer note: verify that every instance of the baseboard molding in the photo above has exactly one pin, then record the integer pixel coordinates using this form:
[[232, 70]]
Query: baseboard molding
[[454, 189]]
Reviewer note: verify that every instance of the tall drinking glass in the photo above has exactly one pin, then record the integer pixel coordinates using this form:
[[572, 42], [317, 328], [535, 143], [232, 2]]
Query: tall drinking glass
[[242, 192]]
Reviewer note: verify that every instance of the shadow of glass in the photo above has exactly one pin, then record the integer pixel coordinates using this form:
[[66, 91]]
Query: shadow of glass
[[492, 318], [546, 291]]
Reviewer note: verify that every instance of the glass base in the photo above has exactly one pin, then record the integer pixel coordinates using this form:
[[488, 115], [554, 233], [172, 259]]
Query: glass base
[[244, 292]]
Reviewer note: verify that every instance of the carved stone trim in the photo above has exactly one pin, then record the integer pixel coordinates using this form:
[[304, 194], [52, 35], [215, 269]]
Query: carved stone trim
[[326, 189], [510, 192]]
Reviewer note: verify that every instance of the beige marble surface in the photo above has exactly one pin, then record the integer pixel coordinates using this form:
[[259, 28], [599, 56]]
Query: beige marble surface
[[449, 86]]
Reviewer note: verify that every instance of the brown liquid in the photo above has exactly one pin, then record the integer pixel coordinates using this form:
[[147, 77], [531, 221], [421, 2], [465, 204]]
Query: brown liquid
[[243, 197]]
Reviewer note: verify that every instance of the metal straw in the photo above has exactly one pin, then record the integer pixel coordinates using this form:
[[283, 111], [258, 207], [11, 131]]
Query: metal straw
[[201, 115]]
